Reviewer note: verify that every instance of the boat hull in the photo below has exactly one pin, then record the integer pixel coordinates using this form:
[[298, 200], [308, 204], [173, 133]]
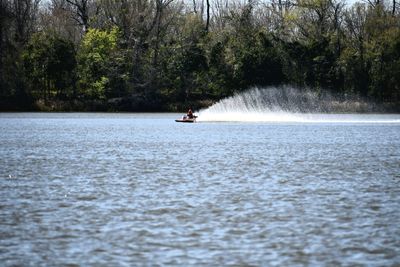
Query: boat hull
[[186, 120]]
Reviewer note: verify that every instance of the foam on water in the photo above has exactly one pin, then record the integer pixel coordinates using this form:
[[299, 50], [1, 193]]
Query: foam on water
[[288, 104]]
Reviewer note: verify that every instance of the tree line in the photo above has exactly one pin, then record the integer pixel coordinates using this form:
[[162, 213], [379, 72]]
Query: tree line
[[169, 54]]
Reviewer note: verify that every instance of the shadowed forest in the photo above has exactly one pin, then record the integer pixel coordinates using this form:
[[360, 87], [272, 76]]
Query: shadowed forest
[[166, 55]]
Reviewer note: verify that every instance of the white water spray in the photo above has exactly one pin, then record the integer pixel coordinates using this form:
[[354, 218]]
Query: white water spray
[[288, 104]]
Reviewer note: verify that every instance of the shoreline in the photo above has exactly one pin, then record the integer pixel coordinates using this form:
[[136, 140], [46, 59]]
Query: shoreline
[[75, 106]]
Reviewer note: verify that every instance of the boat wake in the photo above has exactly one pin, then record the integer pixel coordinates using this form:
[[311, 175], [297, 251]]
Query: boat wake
[[288, 104]]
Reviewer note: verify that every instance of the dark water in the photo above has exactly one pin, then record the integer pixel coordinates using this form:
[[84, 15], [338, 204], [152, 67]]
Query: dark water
[[142, 190]]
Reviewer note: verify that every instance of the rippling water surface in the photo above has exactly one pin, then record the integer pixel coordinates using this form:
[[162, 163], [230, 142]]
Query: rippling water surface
[[140, 189]]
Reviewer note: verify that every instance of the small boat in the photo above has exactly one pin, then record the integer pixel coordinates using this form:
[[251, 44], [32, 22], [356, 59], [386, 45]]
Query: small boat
[[187, 119]]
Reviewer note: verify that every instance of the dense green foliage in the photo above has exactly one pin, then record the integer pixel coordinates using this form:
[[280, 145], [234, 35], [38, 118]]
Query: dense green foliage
[[49, 65], [96, 58], [164, 55]]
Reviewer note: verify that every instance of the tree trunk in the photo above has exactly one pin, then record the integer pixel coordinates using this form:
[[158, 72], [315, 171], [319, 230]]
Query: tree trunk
[[157, 39], [394, 7], [82, 12], [208, 15], [194, 7]]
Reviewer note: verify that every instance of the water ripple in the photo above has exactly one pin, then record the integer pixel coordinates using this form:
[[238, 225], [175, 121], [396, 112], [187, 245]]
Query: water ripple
[[139, 189]]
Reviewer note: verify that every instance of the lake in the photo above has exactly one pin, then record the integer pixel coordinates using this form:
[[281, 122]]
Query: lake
[[94, 189]]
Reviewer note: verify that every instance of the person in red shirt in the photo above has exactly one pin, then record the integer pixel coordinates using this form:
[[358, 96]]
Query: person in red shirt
[[190, 114]]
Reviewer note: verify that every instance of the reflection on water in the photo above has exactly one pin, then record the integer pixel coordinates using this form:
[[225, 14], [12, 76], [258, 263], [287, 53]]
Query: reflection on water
[[140, 189]]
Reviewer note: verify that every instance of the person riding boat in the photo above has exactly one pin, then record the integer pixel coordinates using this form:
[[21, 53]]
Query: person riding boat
[[190, 114]]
